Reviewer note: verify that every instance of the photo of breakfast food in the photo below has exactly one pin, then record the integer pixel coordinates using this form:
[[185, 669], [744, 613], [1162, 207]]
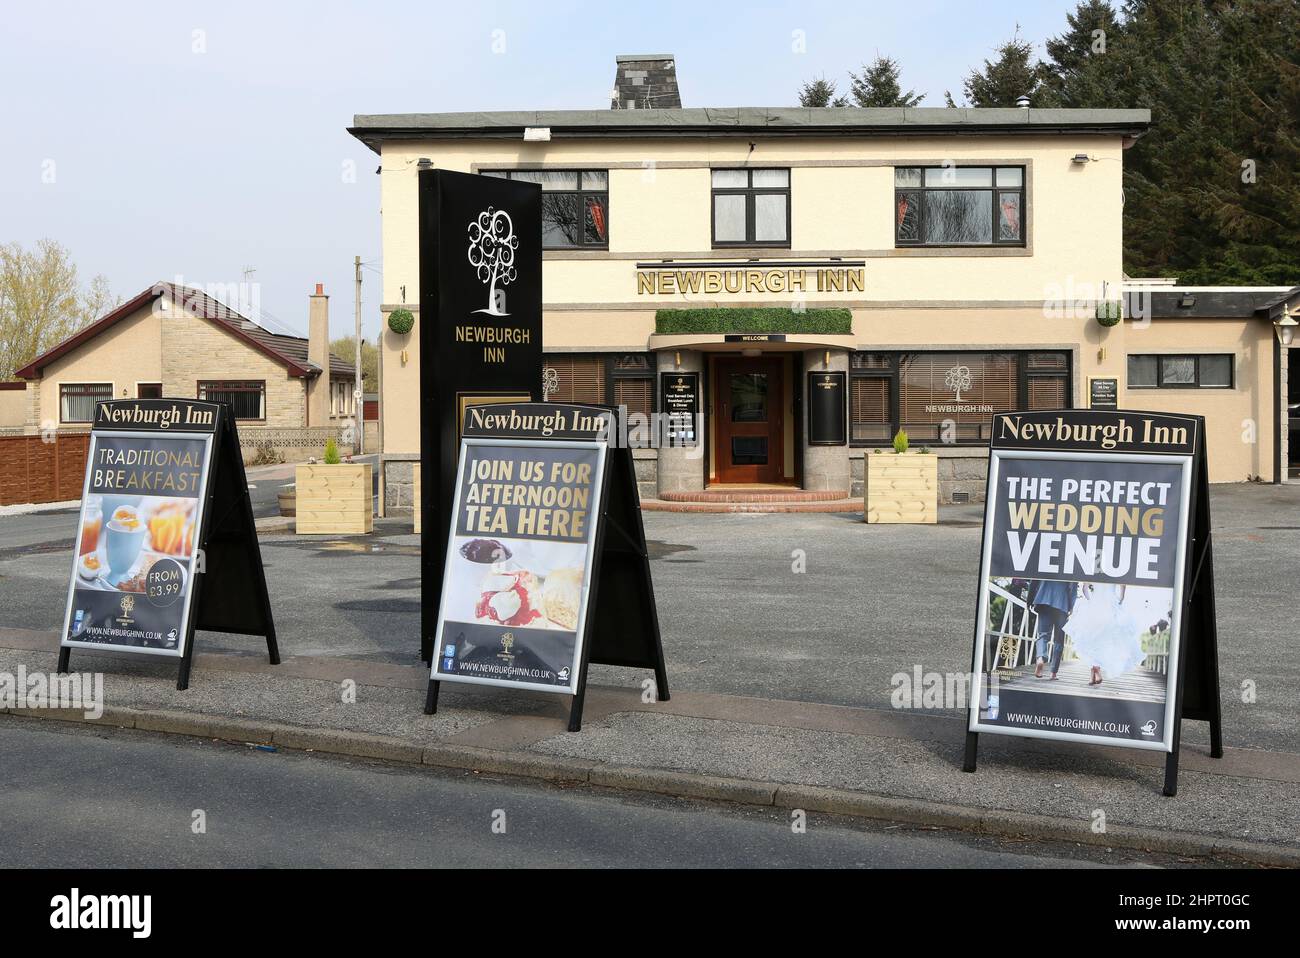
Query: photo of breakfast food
[[516, 583], [123, 536]]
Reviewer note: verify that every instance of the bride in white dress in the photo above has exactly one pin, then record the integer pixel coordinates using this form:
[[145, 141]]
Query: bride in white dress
[[1106, 627]]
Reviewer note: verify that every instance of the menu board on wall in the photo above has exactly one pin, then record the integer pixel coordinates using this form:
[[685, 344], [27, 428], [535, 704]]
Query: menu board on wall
[[680, 402], [1103, 392]]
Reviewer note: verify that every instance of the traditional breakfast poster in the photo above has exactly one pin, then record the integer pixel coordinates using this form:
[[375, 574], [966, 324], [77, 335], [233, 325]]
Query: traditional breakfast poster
[[1079, 623], [136, 553], [514, 600]]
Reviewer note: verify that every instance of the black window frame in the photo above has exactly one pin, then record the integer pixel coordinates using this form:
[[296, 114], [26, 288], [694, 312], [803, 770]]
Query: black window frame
[[582, 192], [202, 386], [891, 373], [994, 191], [750, 191], [96, 392], [1160, 370]]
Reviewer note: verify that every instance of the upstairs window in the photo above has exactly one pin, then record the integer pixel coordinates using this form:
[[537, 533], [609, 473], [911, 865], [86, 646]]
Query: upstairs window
[[959, 206], [575, 206], [751, 208]]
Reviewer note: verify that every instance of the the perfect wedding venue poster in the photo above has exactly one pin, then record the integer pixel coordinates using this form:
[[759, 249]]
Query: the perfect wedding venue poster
[[514, 598], [135, 558], [1078, 629]]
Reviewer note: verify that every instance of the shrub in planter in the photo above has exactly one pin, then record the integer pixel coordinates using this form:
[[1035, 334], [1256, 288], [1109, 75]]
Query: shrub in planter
[[333, 496], [903, 487], [401, 321]]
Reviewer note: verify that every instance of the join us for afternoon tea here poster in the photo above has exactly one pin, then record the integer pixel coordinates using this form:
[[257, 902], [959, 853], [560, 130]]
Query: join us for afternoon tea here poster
[[518, 569], [136, 555]]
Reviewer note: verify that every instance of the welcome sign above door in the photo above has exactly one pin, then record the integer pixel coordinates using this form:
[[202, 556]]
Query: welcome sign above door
[[748, 277]]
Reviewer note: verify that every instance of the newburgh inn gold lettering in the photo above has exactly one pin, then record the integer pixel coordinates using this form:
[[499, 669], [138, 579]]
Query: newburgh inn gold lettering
[[669, 282]]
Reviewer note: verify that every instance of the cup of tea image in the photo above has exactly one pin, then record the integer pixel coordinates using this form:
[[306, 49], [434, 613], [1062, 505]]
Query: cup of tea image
[[123, 538]]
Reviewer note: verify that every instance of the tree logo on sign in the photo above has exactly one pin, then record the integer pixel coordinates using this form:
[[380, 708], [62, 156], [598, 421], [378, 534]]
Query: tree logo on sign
[[957, 379], [492, 245]]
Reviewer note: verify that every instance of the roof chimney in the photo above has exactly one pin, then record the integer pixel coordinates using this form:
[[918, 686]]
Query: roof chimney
[[318, 354], [645, 81]]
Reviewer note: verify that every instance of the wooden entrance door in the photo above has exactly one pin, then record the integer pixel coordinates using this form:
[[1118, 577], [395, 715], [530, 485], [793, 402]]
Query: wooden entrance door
[[748, 405]]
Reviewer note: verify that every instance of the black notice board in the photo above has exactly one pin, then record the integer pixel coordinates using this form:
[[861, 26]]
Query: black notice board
[[1097, 528], [827, 405], [481, 310], [547, 568], [1103, 393], [166, 543], [680, 401]]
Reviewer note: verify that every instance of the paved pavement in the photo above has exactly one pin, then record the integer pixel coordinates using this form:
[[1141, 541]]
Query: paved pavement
[[736, 618], [129, 800], [778, 676]]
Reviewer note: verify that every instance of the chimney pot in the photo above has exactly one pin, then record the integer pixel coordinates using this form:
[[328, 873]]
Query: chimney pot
[[320, 289]]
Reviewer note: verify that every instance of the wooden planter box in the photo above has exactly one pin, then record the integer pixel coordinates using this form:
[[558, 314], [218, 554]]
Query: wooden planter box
[[335, 499], [902, 488]]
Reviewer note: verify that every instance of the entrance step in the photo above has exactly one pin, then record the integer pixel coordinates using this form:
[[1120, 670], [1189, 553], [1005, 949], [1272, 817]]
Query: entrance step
[[756, 494], [755, 499]]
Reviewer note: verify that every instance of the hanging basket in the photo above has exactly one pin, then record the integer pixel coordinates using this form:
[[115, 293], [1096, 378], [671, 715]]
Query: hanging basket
[[401, 321], [1110, 313]]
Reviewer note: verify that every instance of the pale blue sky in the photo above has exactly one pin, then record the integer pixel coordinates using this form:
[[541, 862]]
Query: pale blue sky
[[169, 161]]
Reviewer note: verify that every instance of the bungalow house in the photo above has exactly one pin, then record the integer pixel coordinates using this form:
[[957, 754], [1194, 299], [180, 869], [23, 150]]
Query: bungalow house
[[289, 394]]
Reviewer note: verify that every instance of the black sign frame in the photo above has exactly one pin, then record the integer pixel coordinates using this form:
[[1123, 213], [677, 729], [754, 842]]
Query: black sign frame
[[459, 313], [621, 620], [1196, 684], [228, 592], [827, 404], [1103, 393], [677, 401]]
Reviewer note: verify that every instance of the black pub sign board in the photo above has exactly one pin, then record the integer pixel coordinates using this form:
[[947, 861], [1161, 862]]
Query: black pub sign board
[[1095, 616], [545, 562], [680, 402], [166, 542], [480, 332], [827, 405]]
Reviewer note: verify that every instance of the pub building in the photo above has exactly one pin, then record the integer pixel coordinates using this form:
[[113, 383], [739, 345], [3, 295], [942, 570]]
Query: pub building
[[941, 265]]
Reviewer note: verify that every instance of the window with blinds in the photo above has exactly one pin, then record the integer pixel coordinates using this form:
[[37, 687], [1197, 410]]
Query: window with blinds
[[77, 400], [937, 389], [247, 398], [949, 397], [620, 379], [869, 413], [576, 379]]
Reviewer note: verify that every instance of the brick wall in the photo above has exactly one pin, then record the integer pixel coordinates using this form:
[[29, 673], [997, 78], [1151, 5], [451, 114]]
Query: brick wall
[[194, 349]]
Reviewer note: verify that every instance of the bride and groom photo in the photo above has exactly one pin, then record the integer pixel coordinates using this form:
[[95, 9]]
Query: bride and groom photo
[[1100, 639]]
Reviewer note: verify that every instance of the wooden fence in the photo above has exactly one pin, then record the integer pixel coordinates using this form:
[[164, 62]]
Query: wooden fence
[[33, 470]]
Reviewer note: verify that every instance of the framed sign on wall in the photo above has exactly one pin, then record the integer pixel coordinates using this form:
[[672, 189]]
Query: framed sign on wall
[[827, 409]]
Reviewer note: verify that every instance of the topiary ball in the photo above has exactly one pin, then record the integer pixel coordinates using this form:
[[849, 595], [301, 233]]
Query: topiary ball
[[401, 321]]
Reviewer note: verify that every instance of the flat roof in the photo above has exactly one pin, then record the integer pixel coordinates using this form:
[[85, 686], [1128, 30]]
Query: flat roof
[[374, 129]]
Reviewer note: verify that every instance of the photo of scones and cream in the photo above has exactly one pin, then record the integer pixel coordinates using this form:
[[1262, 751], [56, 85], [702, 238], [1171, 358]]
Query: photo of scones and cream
[[517, 583]]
